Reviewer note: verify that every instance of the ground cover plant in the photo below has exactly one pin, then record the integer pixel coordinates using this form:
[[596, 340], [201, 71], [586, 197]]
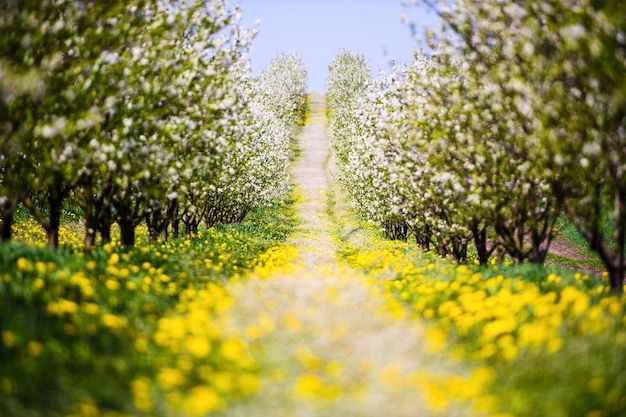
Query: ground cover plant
[[120, 122], [149, 321], [457, 148], [548, 341]]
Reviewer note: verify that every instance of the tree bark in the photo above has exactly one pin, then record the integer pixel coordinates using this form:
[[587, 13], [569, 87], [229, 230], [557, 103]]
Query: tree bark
[[55, 200], [175, 228], [423, 238], [127, 233], [442, 247], [5, 227], [91, 225], [7, 218], [480, 242]]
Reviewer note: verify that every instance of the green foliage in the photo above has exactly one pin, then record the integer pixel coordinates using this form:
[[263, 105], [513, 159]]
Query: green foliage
[[548, 340], [71, 321]]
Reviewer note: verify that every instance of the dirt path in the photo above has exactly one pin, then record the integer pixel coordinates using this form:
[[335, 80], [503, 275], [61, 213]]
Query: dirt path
[[311, 175], [328, 341]]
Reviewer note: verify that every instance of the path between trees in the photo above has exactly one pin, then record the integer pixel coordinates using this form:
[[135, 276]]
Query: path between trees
[[328, 342]]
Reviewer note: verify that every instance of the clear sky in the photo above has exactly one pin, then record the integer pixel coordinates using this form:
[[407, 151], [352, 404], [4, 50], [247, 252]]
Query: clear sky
[[316, 30]]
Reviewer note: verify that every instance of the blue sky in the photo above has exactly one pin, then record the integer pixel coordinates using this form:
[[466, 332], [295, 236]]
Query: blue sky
[[316, 30]]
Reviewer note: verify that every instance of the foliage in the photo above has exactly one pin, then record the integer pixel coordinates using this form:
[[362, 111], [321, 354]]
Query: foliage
[[421, 157], [545, 341], [283, 89], [556, 69], [141, 111], [151, 321]]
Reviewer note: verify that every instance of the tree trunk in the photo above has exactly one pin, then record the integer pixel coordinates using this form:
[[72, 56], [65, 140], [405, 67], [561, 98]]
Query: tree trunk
[[396, 230], [164, 232], [5, 227], [105, 220], [442, 247], [154, 221], [91, 225], [7, 218], [423, 237], [105, 233], [459, 250], [480, 241], [191, 224], [127, 233], [175, 229], [616, 278], [55, 199]]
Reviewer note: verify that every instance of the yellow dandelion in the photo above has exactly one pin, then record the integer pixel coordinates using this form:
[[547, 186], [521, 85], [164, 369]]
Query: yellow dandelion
[[334, 369], [38, 284], [496, 328], [141, 394], [436, 398], [253, 331], [306, 357], [22, 264], [8, 338], [308, 386], [169, 378], [112, 285], [87, 409], [437, 339], [202, 399], [233, 350], [293, 324], [113, 259], [41, 267], [199, 346]]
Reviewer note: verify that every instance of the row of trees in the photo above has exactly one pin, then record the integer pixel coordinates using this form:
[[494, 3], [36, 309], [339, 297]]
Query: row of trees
[[139, 111], [512, 115]]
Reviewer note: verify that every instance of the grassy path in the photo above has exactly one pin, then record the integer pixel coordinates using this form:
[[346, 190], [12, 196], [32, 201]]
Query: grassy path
[[329, 341]]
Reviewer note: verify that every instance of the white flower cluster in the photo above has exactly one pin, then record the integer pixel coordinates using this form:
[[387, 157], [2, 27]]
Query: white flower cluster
[[283, 88], [513, 114], [141, 111], [422, 154]]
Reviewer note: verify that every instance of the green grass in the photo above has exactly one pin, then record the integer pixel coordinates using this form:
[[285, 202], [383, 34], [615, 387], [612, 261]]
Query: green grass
[[78, 329], [552, 338]]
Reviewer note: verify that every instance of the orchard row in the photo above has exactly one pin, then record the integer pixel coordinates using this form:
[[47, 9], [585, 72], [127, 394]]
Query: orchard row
[[140, 112], [510, 116]]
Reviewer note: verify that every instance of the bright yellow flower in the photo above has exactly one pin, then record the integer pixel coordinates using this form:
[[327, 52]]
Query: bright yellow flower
[[22, 264], [142, 399], [8, 338], [202, 399], [199, 346], [233, 350], [169, 378], [248, 383], [308, 360], [113, 259], [498, 327], [308, 386]]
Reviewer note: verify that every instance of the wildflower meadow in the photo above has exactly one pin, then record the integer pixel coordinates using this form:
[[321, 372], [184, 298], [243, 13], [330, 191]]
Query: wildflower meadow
[[181, 238]]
